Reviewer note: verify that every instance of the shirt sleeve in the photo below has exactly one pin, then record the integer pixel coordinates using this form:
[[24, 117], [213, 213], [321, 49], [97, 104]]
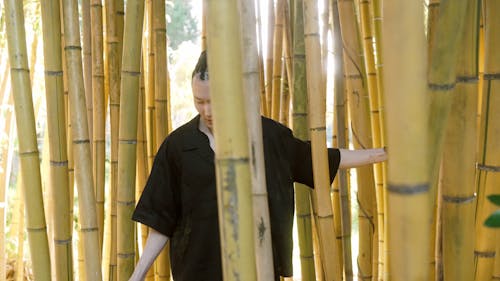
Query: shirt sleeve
[[301, 161], [159, 203]]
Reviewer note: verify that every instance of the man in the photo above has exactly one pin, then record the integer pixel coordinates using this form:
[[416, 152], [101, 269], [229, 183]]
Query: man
[[179, 201]]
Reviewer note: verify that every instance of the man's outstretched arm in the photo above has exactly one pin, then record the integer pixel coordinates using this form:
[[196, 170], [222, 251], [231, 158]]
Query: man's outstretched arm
[[360, 157], [154, 244]]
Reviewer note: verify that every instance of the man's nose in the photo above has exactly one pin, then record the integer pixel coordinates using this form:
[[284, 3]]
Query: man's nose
[[208, 109]]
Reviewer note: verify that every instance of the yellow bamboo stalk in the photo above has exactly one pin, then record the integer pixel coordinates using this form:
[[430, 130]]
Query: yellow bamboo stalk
[[231, 141], [358, 101], [263, 98], [251, 91], [441, 81], [270, 56], [459, 155], [161, 81], [317, 107], [277, 62], [56, 120], [87, 62], [20, 230], [408, 202], [142, 162], [488, 159], [128, 137], [150, 85], [286, 91], [28, 151], [300, 129], [369, 249], [113, 52], [81, 142], [339, 126], [432, 18], [161, 103], [98, 135], [381, 260]]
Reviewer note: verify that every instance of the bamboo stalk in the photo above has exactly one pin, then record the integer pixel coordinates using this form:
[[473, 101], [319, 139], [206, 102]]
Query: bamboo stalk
[[142, 163], [368, 208], [98, 135], [358, 101], [432, 18], [127, 148], [286, 91], [251, 91], [20, 229], [150, 85], [340, 124], [270, 56], [162, 103], [408, 202], [489, 154], [161, 81], [317, 107], [87, 62], [204, 26], [277, 62], [113, 39], [231, 141], [381, 260], [81, 142], [28, 151], [459, 155], [441, 81], [56, 121], [263, 99], [300, 129]]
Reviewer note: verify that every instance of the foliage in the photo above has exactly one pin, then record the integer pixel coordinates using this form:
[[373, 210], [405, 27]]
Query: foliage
[[181, 25], [494, 219]]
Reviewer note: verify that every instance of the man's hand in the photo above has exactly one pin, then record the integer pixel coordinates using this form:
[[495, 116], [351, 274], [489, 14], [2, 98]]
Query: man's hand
[[360, 157], [154, 244]]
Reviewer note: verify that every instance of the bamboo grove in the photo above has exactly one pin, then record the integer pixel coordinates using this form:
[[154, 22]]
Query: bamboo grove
[[421, 78]]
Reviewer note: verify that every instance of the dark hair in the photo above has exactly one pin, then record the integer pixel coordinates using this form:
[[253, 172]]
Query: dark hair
[[201, 67]]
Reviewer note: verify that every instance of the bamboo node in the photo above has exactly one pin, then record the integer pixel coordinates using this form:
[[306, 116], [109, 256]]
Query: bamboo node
[[126, 255], [126, 203], [59, 163], [299, 56], [20, 69], [72, 47], [53, 73], [131, 73], [233, 160], [487, 255], [441, 87], [318, 129], [81, 141], [299, 114], [307, 257], [36, 229], [125, 141], [458, 199], [302, 216], [28, 153], [88, 229], [63, 242], [312, 34], [406, 189], [354, 76], [491, 76], [487, 168], [120, 13], [163, 30], [467, 79]]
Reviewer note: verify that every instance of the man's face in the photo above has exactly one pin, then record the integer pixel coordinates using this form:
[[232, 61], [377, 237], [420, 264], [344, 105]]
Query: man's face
[[201, 97]]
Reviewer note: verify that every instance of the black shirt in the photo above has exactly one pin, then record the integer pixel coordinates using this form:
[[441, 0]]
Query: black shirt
[[180, 199]]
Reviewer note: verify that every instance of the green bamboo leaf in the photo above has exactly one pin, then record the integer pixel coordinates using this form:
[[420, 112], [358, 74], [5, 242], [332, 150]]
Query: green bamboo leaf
[[495, 199], [493, 220]]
